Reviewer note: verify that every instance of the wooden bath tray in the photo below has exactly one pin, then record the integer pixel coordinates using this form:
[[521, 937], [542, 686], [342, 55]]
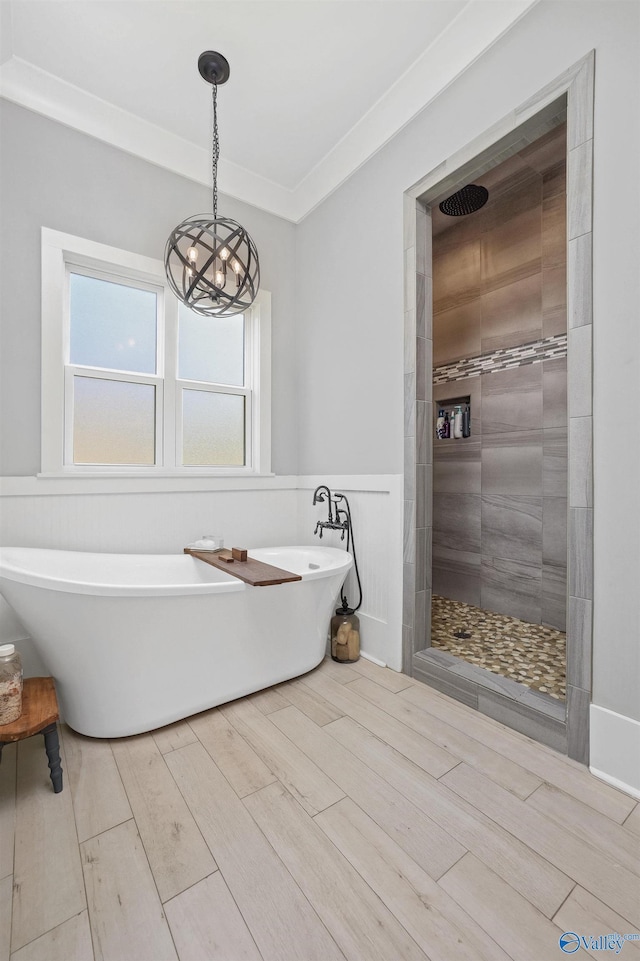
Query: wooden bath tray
[[251, 572]]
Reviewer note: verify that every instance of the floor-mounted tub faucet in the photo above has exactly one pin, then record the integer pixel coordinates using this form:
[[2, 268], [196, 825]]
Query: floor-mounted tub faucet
[[338, 519]]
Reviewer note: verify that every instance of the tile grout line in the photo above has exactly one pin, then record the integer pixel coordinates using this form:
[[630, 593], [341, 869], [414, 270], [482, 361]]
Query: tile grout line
[[285, 866], [560, 906], [311, 761], [241, 800], [63, 752], [375, 894]]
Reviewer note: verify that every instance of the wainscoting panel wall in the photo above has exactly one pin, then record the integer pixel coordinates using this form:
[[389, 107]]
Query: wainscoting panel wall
[[140, 523], [376, 509], [258, 513], [149, 523]]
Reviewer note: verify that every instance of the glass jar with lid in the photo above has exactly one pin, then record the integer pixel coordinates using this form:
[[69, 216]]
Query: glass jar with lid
[[10, 684], [345, 635]]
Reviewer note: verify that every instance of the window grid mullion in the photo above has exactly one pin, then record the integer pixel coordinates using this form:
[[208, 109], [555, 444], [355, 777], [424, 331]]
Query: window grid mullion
[[211, 388], [124, 376], [68, 416], [171, 419]]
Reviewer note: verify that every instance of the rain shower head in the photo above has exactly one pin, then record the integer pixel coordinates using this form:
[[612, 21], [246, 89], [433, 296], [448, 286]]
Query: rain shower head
[[465, 201]]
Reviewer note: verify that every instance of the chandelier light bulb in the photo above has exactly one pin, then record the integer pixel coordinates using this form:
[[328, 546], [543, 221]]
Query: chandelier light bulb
[[192, 254]]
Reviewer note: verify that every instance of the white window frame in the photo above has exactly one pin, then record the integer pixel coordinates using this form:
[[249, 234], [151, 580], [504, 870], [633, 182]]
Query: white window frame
[[62, 253]]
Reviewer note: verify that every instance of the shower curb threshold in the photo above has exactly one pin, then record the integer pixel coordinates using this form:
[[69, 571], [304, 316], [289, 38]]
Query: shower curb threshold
[[533, 713]]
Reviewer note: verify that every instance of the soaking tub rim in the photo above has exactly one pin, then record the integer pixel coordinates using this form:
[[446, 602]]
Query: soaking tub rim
[[211, 580]]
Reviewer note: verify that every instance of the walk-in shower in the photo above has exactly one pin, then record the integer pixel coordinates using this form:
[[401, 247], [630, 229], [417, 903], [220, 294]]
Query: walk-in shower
[[443, 538], [500, 355]]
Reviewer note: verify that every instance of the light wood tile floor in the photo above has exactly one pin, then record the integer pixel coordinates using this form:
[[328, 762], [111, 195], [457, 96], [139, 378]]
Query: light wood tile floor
[[350, 814]]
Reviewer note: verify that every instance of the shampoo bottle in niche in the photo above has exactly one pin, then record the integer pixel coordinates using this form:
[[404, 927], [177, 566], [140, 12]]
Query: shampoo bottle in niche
[[466, 421], [446, 427], [457, 423], [440, 424]]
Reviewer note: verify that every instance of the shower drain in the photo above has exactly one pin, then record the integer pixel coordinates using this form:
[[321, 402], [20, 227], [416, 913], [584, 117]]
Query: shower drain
[[461, 634]]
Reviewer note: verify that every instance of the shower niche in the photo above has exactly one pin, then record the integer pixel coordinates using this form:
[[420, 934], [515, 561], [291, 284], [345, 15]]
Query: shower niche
[[452, 418]]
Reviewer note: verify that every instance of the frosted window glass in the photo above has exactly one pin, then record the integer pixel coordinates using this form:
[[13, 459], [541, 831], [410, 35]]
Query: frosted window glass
[[212, 429], [211, 349], [113, 422], [112, 325]]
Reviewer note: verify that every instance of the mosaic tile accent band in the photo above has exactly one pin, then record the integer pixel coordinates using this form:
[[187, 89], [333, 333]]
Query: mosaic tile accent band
[[549, 348]]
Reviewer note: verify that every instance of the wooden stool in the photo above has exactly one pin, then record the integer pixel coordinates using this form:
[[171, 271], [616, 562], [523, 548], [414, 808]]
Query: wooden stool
[[39, 716]]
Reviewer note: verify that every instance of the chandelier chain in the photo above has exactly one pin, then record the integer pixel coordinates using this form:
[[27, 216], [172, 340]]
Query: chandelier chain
[[216, 149]]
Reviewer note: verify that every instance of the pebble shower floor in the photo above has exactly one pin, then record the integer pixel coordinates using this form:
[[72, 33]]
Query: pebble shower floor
[[528, 653]]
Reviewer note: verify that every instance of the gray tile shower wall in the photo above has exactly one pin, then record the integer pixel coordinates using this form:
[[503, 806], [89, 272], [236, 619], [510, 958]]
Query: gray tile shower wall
[[500, 338], [500, 496]]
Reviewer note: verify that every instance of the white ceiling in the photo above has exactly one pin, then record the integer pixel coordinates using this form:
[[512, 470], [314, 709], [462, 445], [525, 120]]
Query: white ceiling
[[316, 86]]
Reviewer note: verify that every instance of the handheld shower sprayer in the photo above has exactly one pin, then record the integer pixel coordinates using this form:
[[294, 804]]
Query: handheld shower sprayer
[[319, 496]]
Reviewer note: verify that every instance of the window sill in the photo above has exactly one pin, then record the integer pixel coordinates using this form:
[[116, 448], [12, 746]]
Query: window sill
[[186, 474]]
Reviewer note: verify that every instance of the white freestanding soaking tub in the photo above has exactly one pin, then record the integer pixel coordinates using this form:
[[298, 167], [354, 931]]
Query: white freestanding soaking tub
[[135, 641]]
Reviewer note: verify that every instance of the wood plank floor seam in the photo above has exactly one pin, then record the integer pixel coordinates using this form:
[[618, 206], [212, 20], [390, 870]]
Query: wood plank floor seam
[[588, 825], [582, 861], [351, 814], [471, 828], [540, 760], [633, 818], [561, 906]]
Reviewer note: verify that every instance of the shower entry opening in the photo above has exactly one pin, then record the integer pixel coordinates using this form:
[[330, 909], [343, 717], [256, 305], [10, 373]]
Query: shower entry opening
[[498, 495]]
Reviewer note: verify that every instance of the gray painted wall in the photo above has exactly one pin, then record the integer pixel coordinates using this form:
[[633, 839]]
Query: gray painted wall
[[5, 31], [55, 177], [349, 293]]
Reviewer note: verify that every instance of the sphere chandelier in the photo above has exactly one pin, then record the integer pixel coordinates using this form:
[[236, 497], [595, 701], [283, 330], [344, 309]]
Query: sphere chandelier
[[211, 262]]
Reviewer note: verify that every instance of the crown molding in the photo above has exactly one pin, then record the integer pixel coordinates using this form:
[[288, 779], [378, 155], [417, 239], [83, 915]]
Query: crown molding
[[476, 28], [479, 24], [37, 90]]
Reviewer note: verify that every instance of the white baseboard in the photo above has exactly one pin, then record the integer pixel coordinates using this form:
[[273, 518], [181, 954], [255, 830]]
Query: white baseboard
[[615, 749], [374, 660], [614, 782], [375, 641]]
